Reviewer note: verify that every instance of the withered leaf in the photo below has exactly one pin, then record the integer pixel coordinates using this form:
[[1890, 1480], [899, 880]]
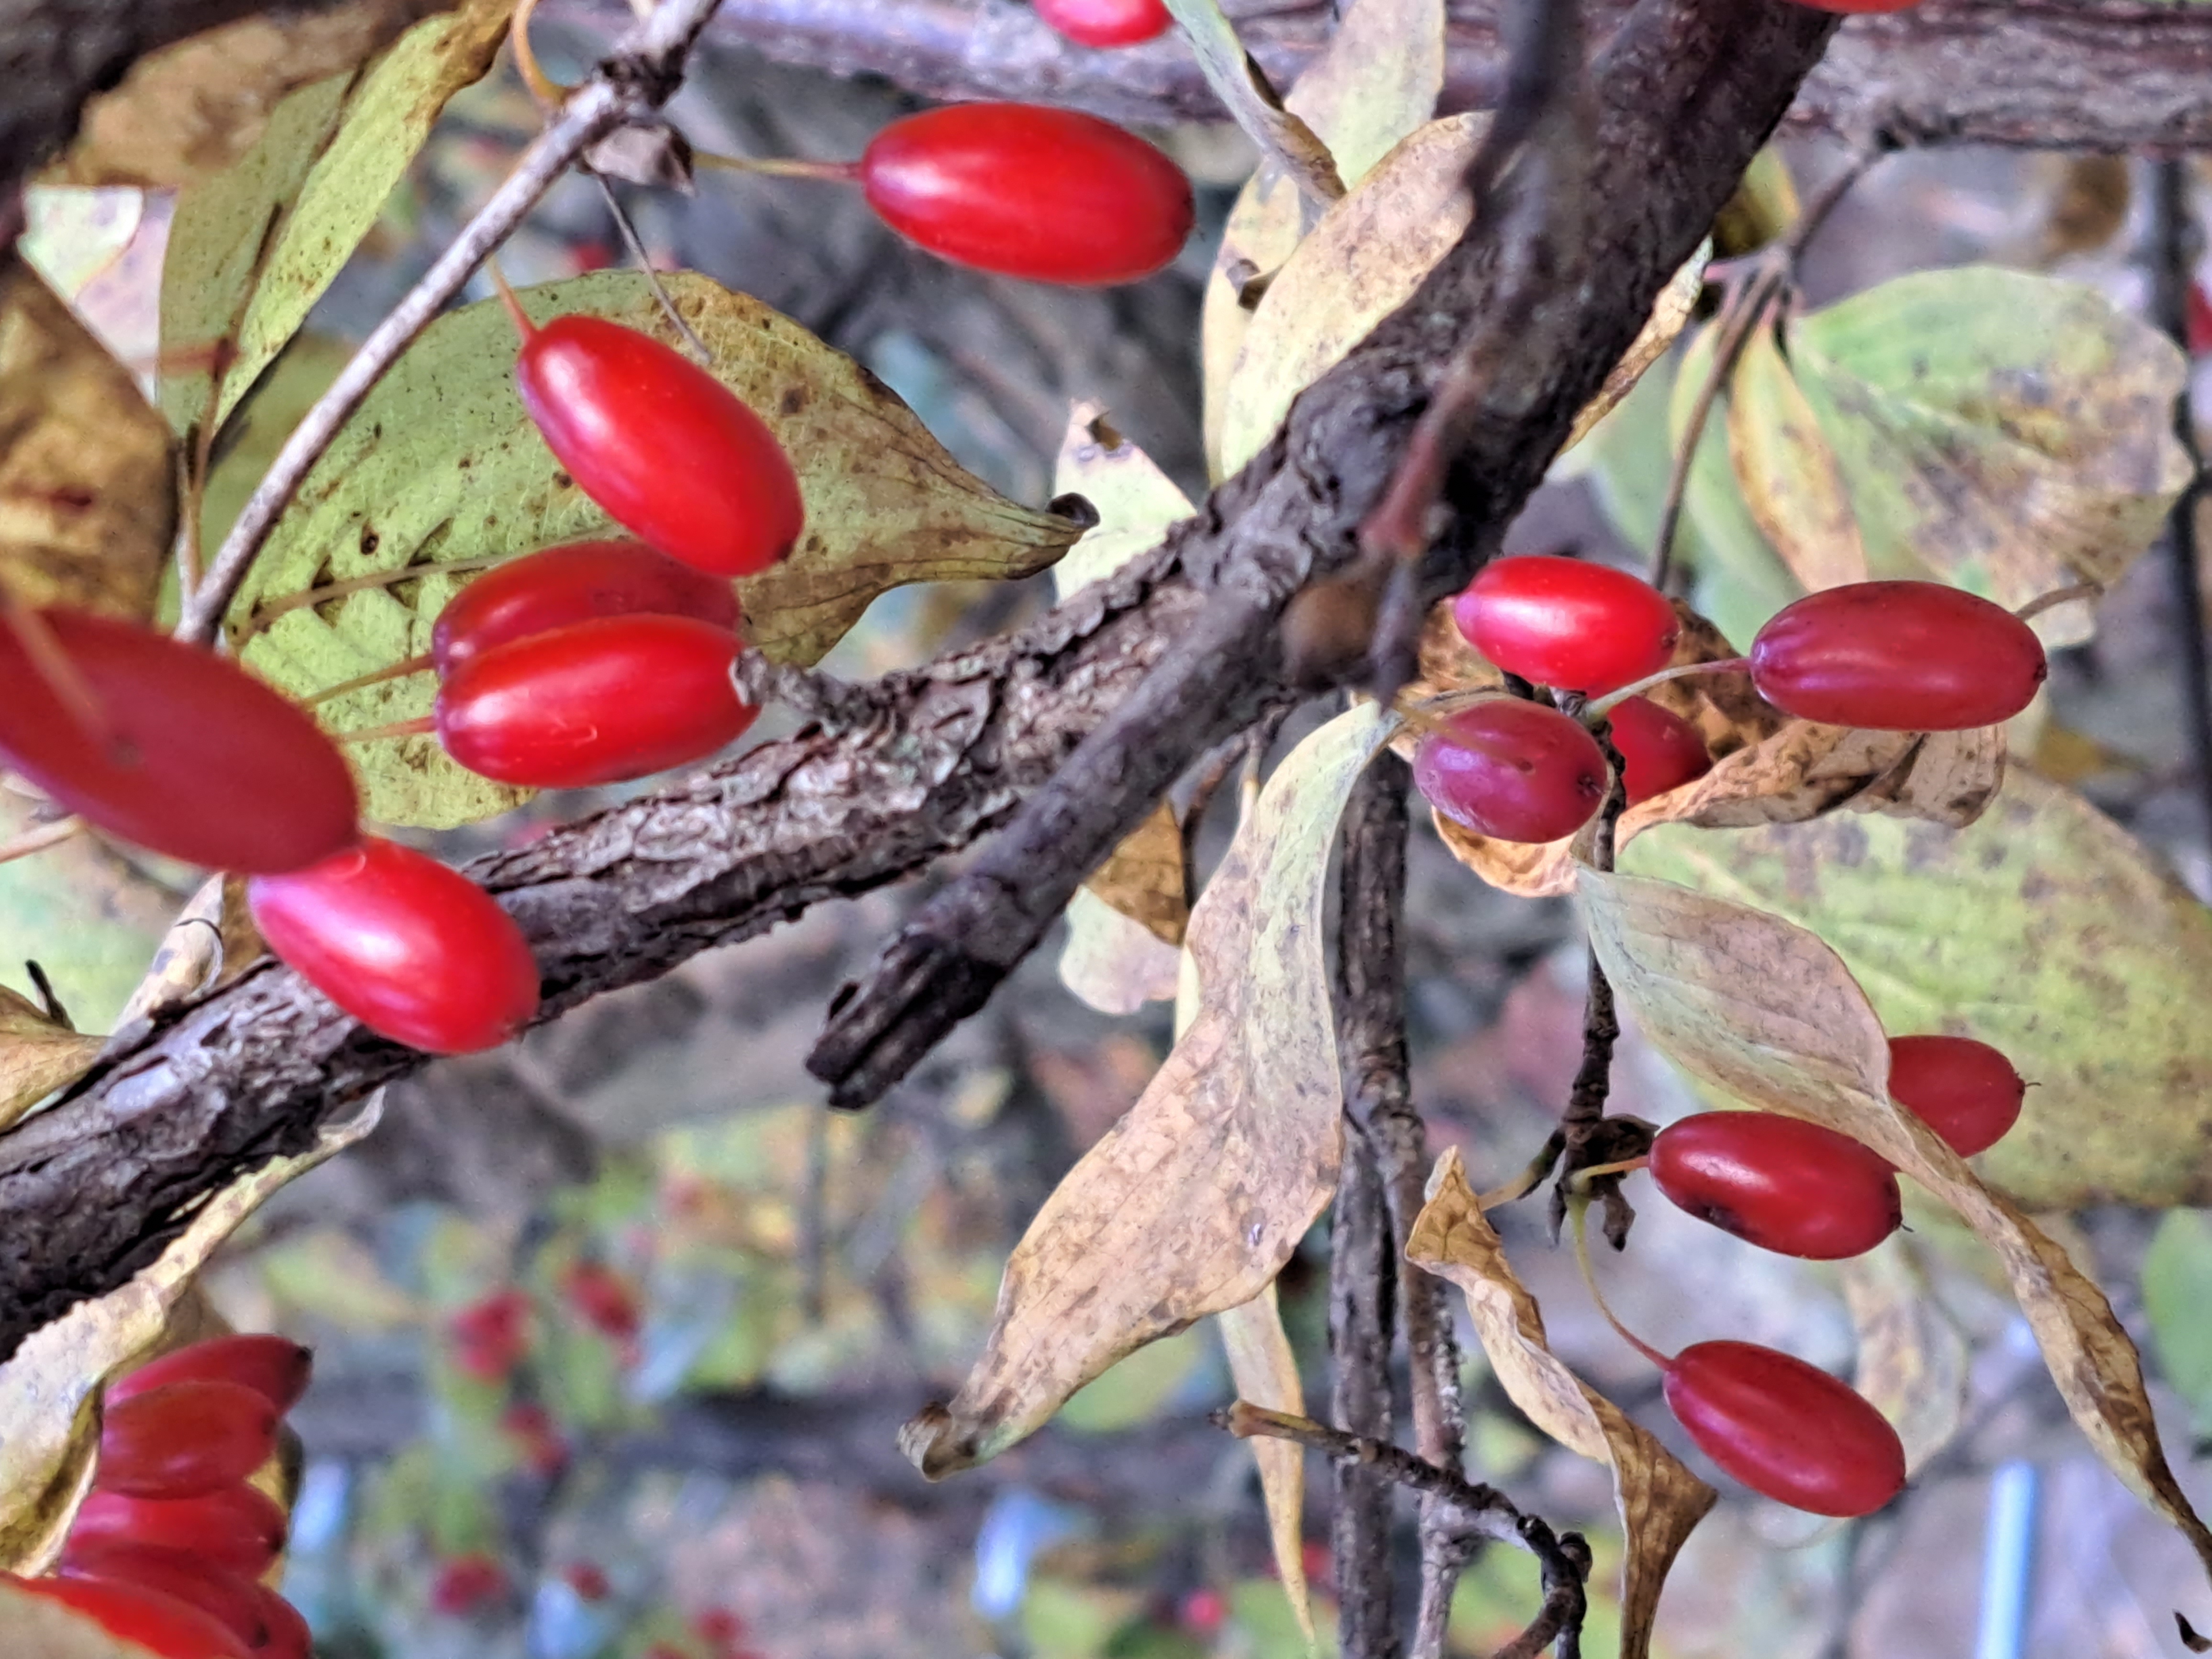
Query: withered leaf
[[1265, 1372], [37, 1055], [1284, 139], [1757, 1006], [1659, 1500], [1192, 1201], [1912, 1358], [1788, 475]]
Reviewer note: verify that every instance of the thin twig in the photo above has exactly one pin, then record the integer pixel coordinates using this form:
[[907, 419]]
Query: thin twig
[[640, 74], [1361, 1279], [2174, 245], [39, 839], [636, 243]]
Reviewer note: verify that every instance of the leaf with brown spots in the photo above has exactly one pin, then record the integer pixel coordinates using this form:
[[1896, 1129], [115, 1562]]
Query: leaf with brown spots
[[1660, 1502], [38, 1055], [1788, 475]]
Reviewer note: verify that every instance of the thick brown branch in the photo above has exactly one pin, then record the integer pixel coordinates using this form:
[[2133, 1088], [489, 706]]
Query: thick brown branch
[[2059, 74]]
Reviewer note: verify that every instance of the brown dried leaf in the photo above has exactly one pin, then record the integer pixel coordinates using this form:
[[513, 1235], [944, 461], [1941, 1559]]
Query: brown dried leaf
[[1192, 1201], [1114, 964], [49, 1390], [1912, 1360], [1265, 1372], [1659, 1500], [37, 1055], [1790, 479], [189, 110], [1761, 1008], [86, 492], [1143, 878]]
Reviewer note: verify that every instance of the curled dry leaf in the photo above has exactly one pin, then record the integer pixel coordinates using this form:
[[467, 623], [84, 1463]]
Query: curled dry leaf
[[1265, 1372], [1756, 1006], [1113, 963], [86, 492], [441, 472], [38, 1055], [1192, 1201], [189, 960], [1659, 1500], [1912, 1360], [1788, 473], [1284, 138], [49, 1390]]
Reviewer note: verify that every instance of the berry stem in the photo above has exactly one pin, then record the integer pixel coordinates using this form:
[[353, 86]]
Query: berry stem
[[1577, 1211], [414, 728], [787, 167], [524, 328], [1612, 699], [2035, 607], [362, 682], [267, 615], [38, 839], [546, 90], [1590, 1172]]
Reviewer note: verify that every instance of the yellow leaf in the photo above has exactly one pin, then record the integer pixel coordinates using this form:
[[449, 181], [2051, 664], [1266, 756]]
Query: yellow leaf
[[1790, 476], [37, 1055], [1236, 80], [1265, 1372]]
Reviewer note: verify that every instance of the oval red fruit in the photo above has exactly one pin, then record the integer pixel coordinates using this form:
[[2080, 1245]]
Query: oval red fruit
[[1567, 623], [466, 1583], [1047, 194], [415, 952], [1786, 1429], [288, 1635], [165, 1627], [230, 1599], [1897, 656], [1106, 22], [579, 582], [671, 452], [1781, 1183], [184, 1439], [275, 1367], [1512, 769], [238, 1528], [598, 703], [1966, 1091], [208, 765], [1659, 750]]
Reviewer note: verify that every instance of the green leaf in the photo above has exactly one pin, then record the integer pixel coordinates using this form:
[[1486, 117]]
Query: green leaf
[[2177, 1288], [260, 424], [2008, 432], [252, 250], [441, 472], [37, 1054], [1788, 474], [88, 918]]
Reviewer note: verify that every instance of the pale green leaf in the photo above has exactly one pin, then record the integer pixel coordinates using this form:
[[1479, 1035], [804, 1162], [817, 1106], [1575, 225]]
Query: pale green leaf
[[2177, 1289], [1788, 474], [1237, 81]]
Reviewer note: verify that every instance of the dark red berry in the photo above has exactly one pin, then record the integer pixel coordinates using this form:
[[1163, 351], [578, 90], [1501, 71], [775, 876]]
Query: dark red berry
[[1897, 656], [232, 1600], [1566, 623], [2199, 326], [577, 583], [719, 1628], [490, 1335], [1516, 770], [1047, 194], [184, 1439], [588, 1579], [415, 952], [536, 1440], [1659, 750], [597, 702], [1965, 1091], [1106, 22], [603, 1299], [1780, 1182], [274, 1367], [162, 1625], [1786, 1429], [671, 452], [466, 1583], [288, 1635], [199, 760], [238, 1528]]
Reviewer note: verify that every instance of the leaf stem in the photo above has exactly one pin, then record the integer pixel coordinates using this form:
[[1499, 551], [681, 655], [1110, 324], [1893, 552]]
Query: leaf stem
[[2035, 607], [39, 839], [1612, 700], [783, 167], [396, 670], [421, 727]]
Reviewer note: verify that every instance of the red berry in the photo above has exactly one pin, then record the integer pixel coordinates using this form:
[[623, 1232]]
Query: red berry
[[238, 1528], [588, 1579], [1516, 770], [164, 1627], [1203, 1611], [415, 952], [1778, 1182], [1965, 1090], [719, 1628], [598, 703], [184, 1439], [1048, 194], [274, 1367], [1659, 750], [668, 450], [491, 1336], [288, 1635], [1897, 656], [232, 1600], [1786, 1429], [1568, 623], [201, 760], [2199, 325], [467, 1584], [1106, 22], [603, 1299], [531, 1427], [577, 583]]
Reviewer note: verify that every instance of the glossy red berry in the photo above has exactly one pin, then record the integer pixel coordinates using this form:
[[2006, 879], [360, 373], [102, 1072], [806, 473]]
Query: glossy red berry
[[1513, 769], [274, 1367], [1106, 22], [1567, 623], [1781, 1183], [288, 1635], [467, 1584], [597, 702], [415, 952], [588, 1579], [1965, 1091], [201, 760], [162, 1625], [603, 1299], [1047, 194], [1786, 1429], [184, 1439], [576, 583], [1659, 750], [671, 452], [491, 1336], [1897, 656], [232, 1600], [535, 1438], [238, 1528]]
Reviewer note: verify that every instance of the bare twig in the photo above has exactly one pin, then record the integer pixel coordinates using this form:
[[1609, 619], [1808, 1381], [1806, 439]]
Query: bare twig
[[1361, 1275], [643, 71], [38, 839], [2175, 244]]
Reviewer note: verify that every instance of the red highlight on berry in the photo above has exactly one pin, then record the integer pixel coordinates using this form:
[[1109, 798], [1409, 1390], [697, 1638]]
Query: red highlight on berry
[[1567, 623], [274, 1367], [238, 1528], [1659, 750], [1785, 1428], [582, 582], [184, 1439], [1897, 656]]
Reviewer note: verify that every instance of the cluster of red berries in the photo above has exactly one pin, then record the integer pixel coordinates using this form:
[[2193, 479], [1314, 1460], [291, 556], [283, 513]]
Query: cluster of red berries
[[1896, 656], [169, 1550]]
